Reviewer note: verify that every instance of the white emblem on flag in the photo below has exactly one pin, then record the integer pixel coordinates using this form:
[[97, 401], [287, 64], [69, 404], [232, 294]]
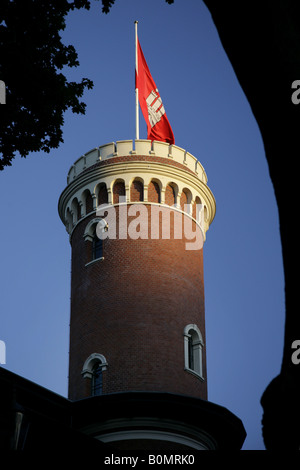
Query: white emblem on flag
[[155, 107]]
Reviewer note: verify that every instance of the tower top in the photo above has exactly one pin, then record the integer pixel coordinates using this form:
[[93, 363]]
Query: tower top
[[136, 147], [128, 159]]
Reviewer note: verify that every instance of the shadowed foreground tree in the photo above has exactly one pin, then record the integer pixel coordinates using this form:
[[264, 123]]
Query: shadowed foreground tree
[[31, 59], [37, 93], [262, 41]]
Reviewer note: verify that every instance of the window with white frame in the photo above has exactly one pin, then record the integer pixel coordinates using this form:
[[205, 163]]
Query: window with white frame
[[93, 369], [193, 350], [92, 230], [97, 379], [97, 245]]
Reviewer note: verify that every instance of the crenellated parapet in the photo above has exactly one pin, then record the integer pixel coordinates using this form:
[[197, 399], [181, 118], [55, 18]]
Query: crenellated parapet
[[161, 173], [136, 147]]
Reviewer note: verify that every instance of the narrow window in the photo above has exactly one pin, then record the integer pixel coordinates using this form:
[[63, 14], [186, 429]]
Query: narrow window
[[97, 246], [94, 245], [193, 346], [97, 382], [88, 203], [191, 353], [93, 370]]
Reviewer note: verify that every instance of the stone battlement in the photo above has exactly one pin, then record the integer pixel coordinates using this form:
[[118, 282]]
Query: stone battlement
[[136, 147]]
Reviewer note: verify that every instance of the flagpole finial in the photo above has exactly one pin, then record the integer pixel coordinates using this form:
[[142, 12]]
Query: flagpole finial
[[136, 22]]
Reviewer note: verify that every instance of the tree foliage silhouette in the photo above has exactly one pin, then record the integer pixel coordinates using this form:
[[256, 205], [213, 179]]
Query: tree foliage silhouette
[[32, 57]]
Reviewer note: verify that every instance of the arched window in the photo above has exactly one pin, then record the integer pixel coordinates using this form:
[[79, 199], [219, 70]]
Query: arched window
[[102, 196], [154, 192], [193, 350], [191, 353], [94, 244], [185, 199], [93, 369], [118, 190], [170, 194], [88, 202], [97, 246], [97, 379], [136, 191], [69, 219], [76, 209], [197, 208]]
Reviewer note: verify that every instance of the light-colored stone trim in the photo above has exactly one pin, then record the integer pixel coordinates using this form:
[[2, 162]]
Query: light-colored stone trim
[[87, 370], [137, 147], [94, 261], [129, 171], [114, 430]]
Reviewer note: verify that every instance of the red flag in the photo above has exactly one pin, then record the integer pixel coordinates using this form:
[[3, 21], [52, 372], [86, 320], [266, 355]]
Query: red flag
[[158, 126]]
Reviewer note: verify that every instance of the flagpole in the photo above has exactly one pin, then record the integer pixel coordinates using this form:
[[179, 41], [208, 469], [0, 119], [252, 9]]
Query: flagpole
[[137, 132]]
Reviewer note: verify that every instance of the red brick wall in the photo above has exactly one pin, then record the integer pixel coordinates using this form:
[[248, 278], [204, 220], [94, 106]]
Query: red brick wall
[[140, 158], [132, 307]]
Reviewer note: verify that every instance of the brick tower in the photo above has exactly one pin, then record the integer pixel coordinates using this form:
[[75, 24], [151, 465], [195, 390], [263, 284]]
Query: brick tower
[[137, 213]]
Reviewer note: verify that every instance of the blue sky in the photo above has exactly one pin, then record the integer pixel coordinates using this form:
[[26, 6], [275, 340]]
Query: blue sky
[[211, 118]]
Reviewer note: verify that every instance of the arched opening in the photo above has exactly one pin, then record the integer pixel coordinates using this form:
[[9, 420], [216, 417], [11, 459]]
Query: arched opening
[[94, 244], [69, 220], [87, 200], [193, 350], [197, 208], [93, 369], [118, 191], [76, 210], [183, 200], [171, 194], [102, 196], [97, 379], [154, 193], [136, 191]]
